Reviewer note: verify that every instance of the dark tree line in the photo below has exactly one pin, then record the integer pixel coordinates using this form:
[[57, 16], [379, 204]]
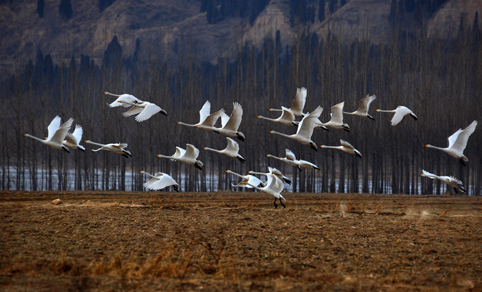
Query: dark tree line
[[438, 79]]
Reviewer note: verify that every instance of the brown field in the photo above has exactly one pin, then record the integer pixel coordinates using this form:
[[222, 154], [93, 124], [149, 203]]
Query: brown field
[[113, 241]]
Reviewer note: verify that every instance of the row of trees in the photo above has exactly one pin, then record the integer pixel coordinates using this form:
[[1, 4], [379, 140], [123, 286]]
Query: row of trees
[[438, 79]]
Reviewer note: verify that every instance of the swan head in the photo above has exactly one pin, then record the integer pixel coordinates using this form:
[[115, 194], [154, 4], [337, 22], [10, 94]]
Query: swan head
[[258, 117], [178, 123], [321, 146], [428, 145], [270, 132], [158, 155], [164, 112], [142, 171], [240, 136]]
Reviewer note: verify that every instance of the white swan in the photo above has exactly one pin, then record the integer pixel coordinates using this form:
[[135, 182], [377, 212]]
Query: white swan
[[144, 110], [159, 181], [274, 186], [275, 172], [298, 103], [305, 129], [458, 142], [251, 179], [206, 120], [231, 124], [187, 156], [346, 147], [363, 107], [287, 117], [231, 150], [72, 140], [336, 121], [291, 160], [56, 134], [400, 112], [117, 148], [449, 180], [124, 97]]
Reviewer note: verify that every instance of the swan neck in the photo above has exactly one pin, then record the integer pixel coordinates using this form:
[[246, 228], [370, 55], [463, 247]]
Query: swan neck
[[94, 143], [211, 149], [281, 134], [33, 137], [184, 124], [386, 111]]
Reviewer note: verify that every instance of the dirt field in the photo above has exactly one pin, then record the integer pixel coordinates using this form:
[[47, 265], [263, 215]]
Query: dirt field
[[113, 241]]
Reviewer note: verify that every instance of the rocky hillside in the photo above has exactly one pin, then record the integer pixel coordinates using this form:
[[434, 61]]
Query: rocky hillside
[[189, 25]]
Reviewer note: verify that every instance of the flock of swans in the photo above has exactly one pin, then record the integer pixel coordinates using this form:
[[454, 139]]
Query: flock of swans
[[59, 137]]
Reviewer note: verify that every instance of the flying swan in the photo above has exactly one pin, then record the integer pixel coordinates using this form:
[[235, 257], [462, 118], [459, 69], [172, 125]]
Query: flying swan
[[231, 150], [346, 147], [56, 134], [187, 156], [287, 117], [298, 103], [336, 121], [247, 181], [206, 120], [363, 106], [400, 112], [449, 180], [231, 124], [291, 160], [144, 110], [117, 148], [274, 186], [159, 181], [72, 140], [124, 97], [458, 142]]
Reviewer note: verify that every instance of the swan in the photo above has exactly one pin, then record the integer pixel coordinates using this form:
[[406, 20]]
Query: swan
[[56, 134], [274, 186], [345, 146], [206, 120], [251, 179], [231, 124], [400, 112], [291, 160], [117, 148], [273, 171], [231, 150], [124, 97], [298, 103], [305, 129], [287, 117], [187, 156], [159, 181], [363, 106], [458, 142], [72, 140], [144, 110], [336, 121], [449, 180]]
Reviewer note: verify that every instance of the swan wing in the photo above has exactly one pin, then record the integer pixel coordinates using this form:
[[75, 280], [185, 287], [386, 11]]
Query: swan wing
[[133, 111], [61, 132], [150, 110], [77, 134], [400, 112], [290, 155], [461, 140], [233, 146], [287, 115], [235, 118], [224, 118], [191, 151], [211, 119], [204, 112], [53, 127], [179, 152], [164, 181], [127, 98], [307, 124], [364, 103], [337, 113], [346, 144], [298, 103]]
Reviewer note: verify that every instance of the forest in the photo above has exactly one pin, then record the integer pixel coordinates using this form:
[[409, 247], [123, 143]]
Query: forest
[[438, 79]]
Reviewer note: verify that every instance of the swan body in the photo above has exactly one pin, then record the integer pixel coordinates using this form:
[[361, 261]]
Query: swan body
[[305, 129], [247, 181], [72, 140], [458, 142], [346, 147], [363, 106], [124, 97], [231, 150], [336, 121], [187, 156], [449, 180], [273, 186], [56, 134], [206, 120], [117, 148], [231, 124], [159, 181], [400, 112], [144, 110], [298, 103], [291, 160], [287, 117]]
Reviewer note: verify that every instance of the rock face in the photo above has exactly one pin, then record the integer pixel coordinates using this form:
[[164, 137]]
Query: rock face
[[169, 27]]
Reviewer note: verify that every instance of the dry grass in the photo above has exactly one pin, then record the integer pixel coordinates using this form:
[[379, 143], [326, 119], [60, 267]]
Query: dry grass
[[114, 241]]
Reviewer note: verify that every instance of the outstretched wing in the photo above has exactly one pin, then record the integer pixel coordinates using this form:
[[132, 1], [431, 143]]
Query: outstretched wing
[[307, 124], [298, 103], [53, 127], [150, 110], [204, 112], [61, 132], [290, 155], [287, 115], [133, 111], [211, 119], [461, 141], [235, 118], [191, 151], [179, 152], [127, 98], [77, 134], [337, 112], [346, 144], [364, 103], [164, 181], [401, 111], [233, 146]]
